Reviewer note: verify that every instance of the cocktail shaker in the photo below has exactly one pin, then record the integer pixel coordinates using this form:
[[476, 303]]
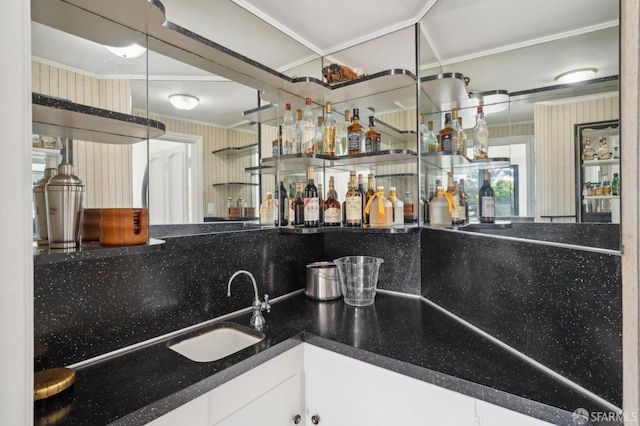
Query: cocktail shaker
[[40, 205], [64, 193]]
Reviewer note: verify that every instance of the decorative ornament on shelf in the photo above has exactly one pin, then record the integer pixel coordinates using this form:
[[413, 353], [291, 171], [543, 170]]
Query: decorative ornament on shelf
[[336, 73]]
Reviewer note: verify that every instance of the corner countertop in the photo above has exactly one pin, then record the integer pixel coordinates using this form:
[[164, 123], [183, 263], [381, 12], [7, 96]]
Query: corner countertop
[[399, 333]]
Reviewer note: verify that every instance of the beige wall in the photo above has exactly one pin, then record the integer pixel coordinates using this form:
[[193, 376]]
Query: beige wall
[[105, 169], [554, 148]]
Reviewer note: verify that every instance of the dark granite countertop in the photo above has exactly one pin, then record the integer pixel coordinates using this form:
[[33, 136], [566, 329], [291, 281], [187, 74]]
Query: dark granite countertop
[[402, 334]]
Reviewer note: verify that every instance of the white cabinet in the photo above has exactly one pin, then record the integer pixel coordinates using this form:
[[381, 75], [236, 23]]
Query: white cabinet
[[193, 413], [493, 415], [344, 391]]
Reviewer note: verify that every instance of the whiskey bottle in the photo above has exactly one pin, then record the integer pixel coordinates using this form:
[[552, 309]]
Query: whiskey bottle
[[298, 206], [353, 203], [398, 207], [372, 138], [480, 137], [446, 136], [288, 131], [282, 203], [354, 134], [328, 131], [487, 204], [332, 216], [308, 128], [458, 133], [367, 196], [341, 138], [311, 207]]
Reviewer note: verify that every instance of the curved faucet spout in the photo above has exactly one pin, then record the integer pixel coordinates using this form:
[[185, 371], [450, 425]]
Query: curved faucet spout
[[253, 280]]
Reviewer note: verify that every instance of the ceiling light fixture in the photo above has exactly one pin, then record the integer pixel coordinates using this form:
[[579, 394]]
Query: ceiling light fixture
[[182, 101], [127, 52], [576, 75]]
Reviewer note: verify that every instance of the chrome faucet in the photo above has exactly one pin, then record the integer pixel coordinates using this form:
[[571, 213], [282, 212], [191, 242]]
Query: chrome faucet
[[257, 320]]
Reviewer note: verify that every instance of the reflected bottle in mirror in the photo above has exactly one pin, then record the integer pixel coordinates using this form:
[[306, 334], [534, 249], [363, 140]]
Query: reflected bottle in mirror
[[487, 205], [311, 201], [332, 216], [282, 200], [298, 206]]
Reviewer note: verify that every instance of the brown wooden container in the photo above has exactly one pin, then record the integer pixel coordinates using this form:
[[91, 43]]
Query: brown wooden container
[[233, 212], [124, 227], [91, 225]]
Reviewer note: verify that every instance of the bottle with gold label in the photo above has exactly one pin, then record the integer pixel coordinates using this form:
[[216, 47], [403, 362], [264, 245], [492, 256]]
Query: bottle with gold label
[[332, 215], [458, 132], [353, 203], [328, 131]]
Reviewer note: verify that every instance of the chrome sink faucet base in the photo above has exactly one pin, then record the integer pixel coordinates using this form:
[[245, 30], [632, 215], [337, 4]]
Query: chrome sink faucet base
[[257, 320]]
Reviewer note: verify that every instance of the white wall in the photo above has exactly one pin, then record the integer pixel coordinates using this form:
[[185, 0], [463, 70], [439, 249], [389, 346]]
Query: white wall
[[16, 262]]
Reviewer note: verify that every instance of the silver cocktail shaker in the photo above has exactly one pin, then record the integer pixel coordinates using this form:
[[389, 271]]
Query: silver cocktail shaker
[[40, 205], [64, 193]]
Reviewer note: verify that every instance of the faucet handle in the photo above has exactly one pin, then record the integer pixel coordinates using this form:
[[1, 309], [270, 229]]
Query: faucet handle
[[265, 305]]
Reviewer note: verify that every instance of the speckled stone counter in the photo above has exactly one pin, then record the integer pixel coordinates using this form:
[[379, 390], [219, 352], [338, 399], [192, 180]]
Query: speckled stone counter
[[402, 334]]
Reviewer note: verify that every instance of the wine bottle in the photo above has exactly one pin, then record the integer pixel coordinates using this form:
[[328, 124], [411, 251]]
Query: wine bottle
[[311, 208], [282, 203], [332, 216], [298, 206], [487, 204]]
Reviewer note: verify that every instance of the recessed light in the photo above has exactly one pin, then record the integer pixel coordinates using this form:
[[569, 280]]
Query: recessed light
[[576, 75], [182, 101], [127, 52]]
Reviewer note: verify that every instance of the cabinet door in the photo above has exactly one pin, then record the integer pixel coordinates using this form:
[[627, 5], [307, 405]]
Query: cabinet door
[[493, 415], [193, 413], [344, 391], [277, 407]]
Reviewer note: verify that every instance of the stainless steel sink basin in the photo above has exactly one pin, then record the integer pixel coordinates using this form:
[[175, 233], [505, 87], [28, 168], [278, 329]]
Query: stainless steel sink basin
[[217, 342]]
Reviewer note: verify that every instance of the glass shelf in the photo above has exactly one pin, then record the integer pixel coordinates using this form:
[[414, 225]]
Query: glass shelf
[[457, 161], [235, 184], [596, 163], [233, 151]]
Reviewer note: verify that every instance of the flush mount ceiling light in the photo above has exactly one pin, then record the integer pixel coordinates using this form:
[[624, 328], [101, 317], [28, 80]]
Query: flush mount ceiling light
[[576, 75], [127, 52], [182, 101]]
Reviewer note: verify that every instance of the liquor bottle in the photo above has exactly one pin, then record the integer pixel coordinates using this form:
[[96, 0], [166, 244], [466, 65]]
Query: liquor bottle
[[587, 152], [353, 203], [311, 207], [454, 200], [341, 138], [423, 131], [398, 206], [372, 138], [367, 196], [308, 128], [329, 131], [277, 144], [446, 136], [480, 137], [267, 210], [292, 197], [615, 185], [464, 200], [428, 139], [362, 192], [320, 204], [332, 216], [458, 132], [487, 204], [288, 131], [424, 205], [380, 210], [282, 202], [317, 137], [354, 134], [439, 209], [430, 197], [408, 208], [297, 145], [462, 138], [298, 206]]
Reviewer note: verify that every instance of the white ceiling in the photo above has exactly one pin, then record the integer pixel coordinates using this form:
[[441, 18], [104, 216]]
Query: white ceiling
[[511, 45]]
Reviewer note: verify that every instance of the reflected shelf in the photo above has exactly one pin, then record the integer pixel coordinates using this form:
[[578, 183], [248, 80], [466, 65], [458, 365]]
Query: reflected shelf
[[458, 161], [596, 163], [237, 150], [64, 119], [234, 184]]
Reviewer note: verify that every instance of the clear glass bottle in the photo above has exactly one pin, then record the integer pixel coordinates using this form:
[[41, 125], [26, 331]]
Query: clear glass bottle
[[288, 131], [311, 202], [332, 215], [267, 210], [380, 210], [587, 150], [457, 138], [423, 131], [480, 137], [297, 146], [328, 131], [439, 209], [353, 203], [462, 138], [367, 196], [487, 201], [432, 139], [372, 138], [398, 206], [308, 128], [603, 148], [341, 138], [317, 137], [355, 134]]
